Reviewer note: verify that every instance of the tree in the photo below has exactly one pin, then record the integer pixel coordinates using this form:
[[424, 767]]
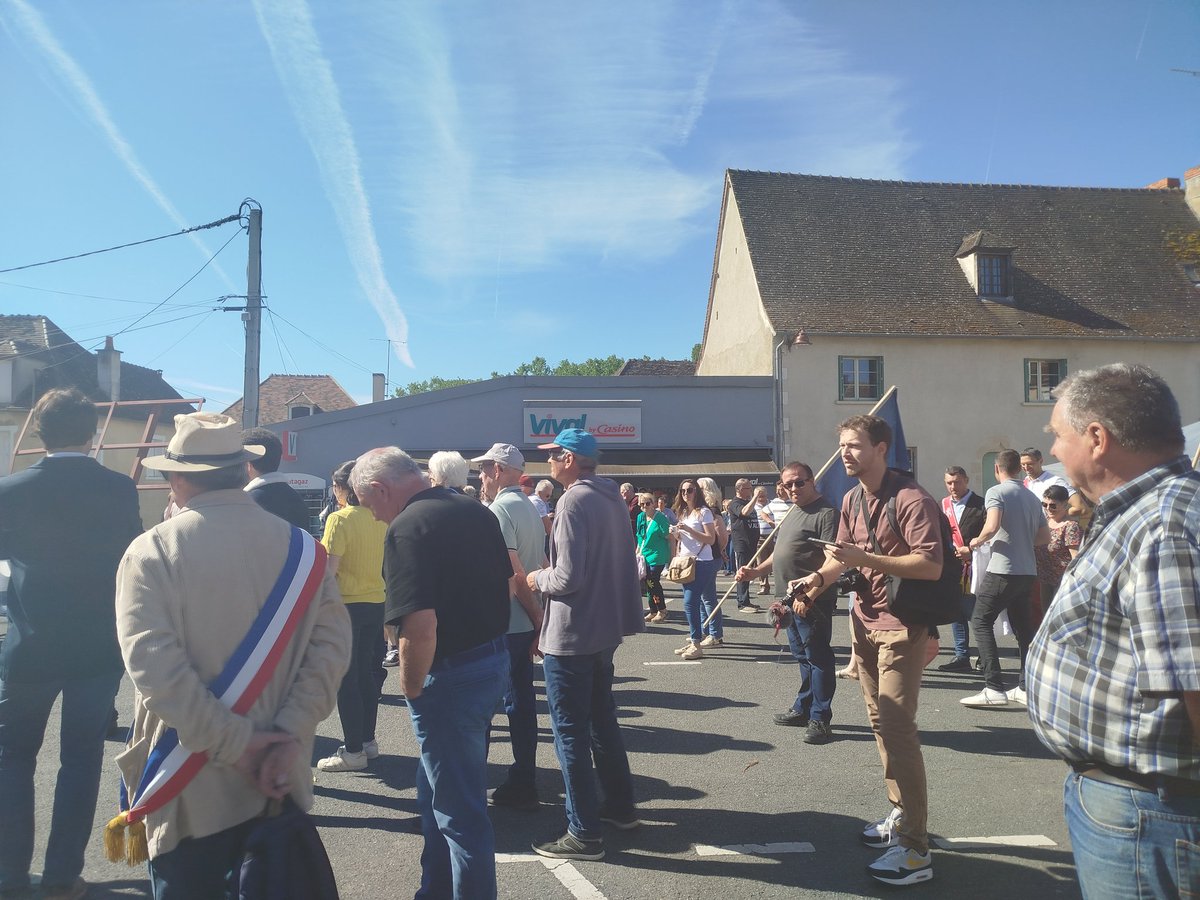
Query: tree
[[696, 348], [433, 384], [538, 366]]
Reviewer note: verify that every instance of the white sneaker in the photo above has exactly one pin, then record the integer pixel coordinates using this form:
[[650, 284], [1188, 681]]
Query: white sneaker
[[1016, 695], [692, 652], [882, 833], [684, 649], [343, 761], [371, 749], [985, 699], [901, 865], [710, 641]]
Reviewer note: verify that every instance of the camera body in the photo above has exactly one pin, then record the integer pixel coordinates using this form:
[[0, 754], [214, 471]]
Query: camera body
[[853, 580]]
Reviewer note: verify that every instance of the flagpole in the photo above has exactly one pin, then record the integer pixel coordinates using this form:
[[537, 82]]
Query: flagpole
[[763, 545]]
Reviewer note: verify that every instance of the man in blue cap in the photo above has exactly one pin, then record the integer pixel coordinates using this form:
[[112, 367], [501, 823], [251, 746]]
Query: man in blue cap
[[592, 600]]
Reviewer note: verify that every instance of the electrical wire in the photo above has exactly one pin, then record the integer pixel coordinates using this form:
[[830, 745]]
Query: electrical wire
[[234, 218], [30, 287], [186, 335], [279, 345], [324, 347]]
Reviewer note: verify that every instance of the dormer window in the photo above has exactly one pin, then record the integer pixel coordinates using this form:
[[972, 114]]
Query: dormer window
[[987, 262], [298, 411]]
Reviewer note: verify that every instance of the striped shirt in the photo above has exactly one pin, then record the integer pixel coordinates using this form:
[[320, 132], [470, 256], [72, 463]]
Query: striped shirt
[[1121, 639]]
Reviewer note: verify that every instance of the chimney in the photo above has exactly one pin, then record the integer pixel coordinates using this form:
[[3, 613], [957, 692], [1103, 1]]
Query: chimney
[[108, 370], [1163, 184], [378, 387], [1191, 183]]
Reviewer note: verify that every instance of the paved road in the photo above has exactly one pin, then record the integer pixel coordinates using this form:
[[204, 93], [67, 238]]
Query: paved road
[[711, 770]]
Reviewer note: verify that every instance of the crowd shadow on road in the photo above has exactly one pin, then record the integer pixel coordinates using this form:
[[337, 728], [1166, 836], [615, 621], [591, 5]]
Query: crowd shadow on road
[[988, 740], [130, 887]]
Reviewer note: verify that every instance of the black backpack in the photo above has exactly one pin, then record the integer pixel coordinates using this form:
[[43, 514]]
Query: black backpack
[[285, 859]]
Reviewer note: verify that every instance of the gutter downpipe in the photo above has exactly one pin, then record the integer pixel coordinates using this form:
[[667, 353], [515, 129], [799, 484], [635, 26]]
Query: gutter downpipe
[[777, 365]]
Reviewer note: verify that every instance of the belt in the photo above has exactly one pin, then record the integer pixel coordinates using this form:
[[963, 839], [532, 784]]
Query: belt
[[483, 651], [1169, 785]]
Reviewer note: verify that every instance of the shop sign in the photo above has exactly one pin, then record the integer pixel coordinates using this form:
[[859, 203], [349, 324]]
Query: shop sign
[[609, 424]]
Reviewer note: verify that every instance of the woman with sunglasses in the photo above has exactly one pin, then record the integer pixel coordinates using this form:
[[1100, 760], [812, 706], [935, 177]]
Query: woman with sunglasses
[[653, 542], [1065, 538], [696, 533]]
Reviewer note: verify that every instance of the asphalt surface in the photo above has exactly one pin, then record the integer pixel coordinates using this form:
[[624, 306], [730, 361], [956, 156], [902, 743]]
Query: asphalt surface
[[710, 770]]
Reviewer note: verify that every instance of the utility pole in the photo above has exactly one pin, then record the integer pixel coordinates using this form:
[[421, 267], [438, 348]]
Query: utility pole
[[253, 319]]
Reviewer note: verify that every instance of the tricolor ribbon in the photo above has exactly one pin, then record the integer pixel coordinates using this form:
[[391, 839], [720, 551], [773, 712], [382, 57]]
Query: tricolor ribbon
[[170, 766]]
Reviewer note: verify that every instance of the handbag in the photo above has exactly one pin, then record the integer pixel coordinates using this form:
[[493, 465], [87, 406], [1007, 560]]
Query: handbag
[[284, 858], [916, 601], [681, 570], [641, 566]]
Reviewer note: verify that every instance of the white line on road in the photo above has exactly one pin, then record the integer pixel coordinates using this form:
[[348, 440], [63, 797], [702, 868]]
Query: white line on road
[[569, 876], [1004, 840], [754, 849], [673, 663]]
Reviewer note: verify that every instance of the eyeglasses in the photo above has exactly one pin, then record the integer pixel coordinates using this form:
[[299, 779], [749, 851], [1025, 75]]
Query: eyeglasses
[[795, 483]]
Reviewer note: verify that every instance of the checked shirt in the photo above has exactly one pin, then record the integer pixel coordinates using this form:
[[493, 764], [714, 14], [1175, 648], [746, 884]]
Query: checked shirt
[[1121, 639]]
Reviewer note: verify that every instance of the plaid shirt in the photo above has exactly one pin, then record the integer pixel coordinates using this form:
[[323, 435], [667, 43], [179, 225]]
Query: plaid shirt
[[1121, 639]]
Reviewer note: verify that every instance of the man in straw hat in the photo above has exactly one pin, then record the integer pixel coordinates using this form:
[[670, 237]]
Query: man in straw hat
[[192, 595], [64, 523]]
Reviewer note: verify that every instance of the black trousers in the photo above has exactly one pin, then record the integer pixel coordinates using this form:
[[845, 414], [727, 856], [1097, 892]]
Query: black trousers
[[996, 594]]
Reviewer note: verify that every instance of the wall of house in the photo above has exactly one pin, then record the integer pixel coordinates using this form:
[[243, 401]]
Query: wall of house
[[739, 337], [959, 399]]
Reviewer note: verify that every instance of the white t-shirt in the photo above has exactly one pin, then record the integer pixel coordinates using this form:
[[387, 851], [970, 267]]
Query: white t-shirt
[[1038, 485], [690, 545]]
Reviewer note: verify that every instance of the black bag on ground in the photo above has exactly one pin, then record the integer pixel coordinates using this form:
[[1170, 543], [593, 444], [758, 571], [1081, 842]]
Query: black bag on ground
[[915, 601], [285, 859]]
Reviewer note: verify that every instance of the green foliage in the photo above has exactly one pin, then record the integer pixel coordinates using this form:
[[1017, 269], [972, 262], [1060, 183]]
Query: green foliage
[[593, 366], [1185, 245], [696, 348]]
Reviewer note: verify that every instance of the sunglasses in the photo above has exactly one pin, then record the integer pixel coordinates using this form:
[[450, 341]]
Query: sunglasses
[[1049, 506], [795, 483], [554, 457], [690, 489]]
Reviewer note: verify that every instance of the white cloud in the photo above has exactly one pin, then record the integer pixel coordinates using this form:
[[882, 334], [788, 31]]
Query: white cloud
[[34, 27], [308, 81]]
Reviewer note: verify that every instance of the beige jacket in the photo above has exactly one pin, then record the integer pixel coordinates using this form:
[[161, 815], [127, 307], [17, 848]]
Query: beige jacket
[[188, 591]]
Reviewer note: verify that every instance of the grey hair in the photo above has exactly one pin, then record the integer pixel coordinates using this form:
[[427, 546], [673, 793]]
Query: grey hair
[[544, 483], [389, 465], [956, 471], [627, 485], [712, 493], [447, 468], [1131, 401]]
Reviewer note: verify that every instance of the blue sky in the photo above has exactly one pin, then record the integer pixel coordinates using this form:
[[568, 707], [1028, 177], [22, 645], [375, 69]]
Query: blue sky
[[483, 182]]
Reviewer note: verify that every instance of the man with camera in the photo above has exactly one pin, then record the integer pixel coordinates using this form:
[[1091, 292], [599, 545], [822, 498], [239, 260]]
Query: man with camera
[[810, 630], [891, 654]]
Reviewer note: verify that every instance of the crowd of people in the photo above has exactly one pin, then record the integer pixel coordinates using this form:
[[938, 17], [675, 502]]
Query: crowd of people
[[241, 633]]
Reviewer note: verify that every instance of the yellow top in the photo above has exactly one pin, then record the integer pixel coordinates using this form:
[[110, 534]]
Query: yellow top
[[354, 534]]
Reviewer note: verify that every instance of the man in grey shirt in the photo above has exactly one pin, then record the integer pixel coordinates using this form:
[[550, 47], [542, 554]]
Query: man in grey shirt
[[1015, 525]]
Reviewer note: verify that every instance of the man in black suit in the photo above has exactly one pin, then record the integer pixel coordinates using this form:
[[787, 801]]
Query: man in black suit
[[268, 486], [964, 508], [64, 525]]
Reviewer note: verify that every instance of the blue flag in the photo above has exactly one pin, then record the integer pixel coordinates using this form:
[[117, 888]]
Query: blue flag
[[835, 483]]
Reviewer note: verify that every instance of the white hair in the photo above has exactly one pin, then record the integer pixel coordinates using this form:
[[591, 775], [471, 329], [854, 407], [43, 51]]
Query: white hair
[[544, 483], [447, 468], [712, 493], [389, 465]]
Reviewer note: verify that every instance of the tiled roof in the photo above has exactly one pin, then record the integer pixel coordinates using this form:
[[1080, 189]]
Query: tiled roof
[[67, 364], [658, 367], [851, 256], [278, 391]]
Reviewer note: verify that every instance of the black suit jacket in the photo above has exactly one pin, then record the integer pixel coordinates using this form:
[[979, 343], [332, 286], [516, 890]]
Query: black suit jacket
[[281, 499], [973, 518], [64, 525]]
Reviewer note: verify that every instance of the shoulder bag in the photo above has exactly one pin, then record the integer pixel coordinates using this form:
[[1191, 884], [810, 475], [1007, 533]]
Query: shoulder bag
[[681, 570]]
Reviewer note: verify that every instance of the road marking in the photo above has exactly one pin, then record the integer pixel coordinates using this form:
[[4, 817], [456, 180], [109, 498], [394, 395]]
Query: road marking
[[1004, 840], [568, 876], [673, 663], [754, 849]]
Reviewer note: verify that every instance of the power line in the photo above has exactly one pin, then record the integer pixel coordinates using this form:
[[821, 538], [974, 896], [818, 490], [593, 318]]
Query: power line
[[234, 218], [187, 334], [324, 347], [42, 290]]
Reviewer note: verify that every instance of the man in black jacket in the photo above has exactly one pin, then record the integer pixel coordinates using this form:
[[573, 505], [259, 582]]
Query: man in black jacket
[[964, 508], [268, 486], [64, 524]]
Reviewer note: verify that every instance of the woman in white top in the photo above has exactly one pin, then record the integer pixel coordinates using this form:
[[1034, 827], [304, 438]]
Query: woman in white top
[[695, 534]]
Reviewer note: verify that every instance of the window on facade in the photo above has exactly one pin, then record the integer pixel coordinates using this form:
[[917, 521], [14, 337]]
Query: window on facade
[[1041, 377], [994, 275], [861, 377], [296, 412]]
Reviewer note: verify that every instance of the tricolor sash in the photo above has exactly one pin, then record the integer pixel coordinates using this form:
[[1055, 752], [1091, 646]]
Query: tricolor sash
[[948, 509], [170, 766]]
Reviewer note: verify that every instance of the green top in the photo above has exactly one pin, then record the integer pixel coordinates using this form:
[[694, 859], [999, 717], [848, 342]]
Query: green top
[[652, 539]]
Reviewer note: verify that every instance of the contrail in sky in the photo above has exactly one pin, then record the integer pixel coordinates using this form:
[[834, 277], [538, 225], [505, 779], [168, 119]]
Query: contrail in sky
[[34, 26], [308, 82]]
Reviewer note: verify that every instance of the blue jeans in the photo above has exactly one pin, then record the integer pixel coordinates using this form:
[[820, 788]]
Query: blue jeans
[[1131, 843], [700, 599], [962, 629], [450, 720], [520, 705], [809, 640], [583, 716], [358, 695], [87, 705], [201, 868]]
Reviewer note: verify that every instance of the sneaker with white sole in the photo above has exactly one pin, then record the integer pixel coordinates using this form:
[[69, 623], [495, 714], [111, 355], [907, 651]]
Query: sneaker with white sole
[[343, 761], [882, 833], [371, 749], [391, 658], [1017, 695], [684, 649], [693, 651], [985, 699], [901, 866], [570, 847], [710, 641]]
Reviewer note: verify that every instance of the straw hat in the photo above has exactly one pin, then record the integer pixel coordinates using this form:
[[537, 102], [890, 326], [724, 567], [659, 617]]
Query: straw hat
[[204, 442]]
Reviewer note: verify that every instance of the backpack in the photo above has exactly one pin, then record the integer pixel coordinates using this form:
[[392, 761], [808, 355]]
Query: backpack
[[285, 859]]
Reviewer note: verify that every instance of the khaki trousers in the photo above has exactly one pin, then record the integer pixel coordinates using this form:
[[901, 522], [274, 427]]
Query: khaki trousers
[[890, 664]]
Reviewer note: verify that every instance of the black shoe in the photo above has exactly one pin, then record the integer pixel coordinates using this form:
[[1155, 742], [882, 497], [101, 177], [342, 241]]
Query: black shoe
[[959, 664], [818, 732], [570, 847], [626, 821], [750, 608], [514, 797], [791, 717]]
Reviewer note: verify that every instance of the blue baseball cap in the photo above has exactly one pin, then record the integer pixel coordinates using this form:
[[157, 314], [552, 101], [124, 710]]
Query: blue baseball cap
[[576, 440]]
